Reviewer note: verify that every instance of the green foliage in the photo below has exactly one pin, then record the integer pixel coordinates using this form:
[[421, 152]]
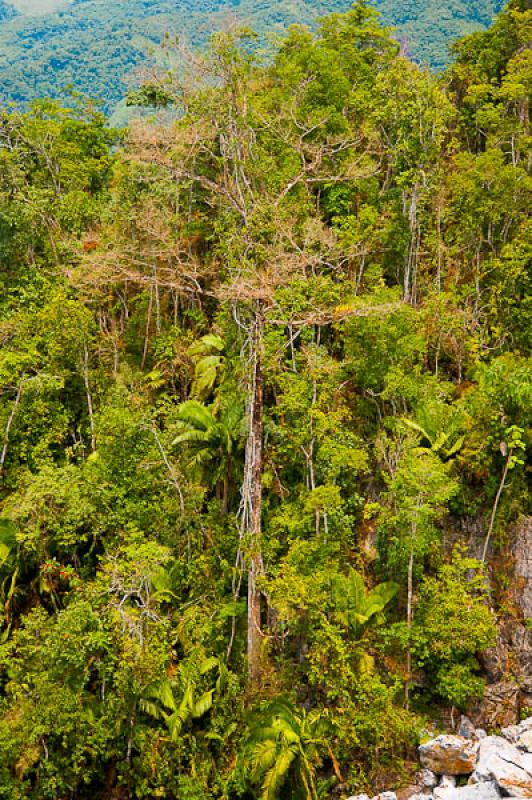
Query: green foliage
[[283, 749], [357, 606], [453, 623], [94, 48], [263, 361], [419, 489]]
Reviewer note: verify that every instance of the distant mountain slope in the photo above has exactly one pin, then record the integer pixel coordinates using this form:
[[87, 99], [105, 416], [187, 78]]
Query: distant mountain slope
[[94, 45], [427, 26]]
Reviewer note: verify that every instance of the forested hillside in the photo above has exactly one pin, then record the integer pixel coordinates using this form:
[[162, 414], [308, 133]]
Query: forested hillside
[[95, 47], [427, 28], [265, 400]]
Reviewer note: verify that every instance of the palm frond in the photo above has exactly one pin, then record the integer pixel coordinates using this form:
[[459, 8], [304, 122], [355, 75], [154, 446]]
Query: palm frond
[[203, 704], [196, 415], [262, 757], [277, 775]]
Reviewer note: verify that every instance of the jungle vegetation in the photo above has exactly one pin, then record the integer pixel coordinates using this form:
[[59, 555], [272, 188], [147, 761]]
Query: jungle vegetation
[[264, 367]]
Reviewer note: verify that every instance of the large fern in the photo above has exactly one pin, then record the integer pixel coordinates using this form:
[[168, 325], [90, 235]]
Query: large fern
[[159, 698], [356, 606], [440, 428]]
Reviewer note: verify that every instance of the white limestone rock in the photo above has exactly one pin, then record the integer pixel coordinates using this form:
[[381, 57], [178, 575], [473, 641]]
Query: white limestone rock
[[520, 735], [447, 782], [427, 779], [479, 791], [500, 761]]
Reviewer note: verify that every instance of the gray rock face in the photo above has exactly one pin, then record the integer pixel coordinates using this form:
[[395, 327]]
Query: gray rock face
[[508, 666], [500, 705], [499, 760], [479, 791], [449, 755], [466, 728], [522, 553]]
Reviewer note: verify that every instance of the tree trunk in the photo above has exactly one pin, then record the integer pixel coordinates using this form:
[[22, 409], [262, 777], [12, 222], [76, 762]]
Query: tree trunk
[[225, 491], [409, 625], [10, 420], [85, 369], [409, 282], [410, 602], [495, 506], [252, 496]]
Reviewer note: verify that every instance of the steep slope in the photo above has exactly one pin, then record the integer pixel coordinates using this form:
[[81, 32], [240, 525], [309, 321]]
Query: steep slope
[[264, 395]]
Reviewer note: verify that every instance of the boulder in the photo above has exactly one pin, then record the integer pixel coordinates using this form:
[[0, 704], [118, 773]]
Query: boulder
[[449, 755], [479, 791], [426, 779], [499, 760], [359, 797], [520, 735], [385, 796]]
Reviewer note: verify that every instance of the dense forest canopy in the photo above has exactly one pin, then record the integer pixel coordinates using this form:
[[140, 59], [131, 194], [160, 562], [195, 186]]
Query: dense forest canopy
[[95, 47], [264, 368]]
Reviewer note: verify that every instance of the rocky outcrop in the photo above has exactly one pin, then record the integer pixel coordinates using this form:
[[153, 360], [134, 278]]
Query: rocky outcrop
[[497, 765], [500, 705], [474, 766], [508, 668], [507, 665]]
